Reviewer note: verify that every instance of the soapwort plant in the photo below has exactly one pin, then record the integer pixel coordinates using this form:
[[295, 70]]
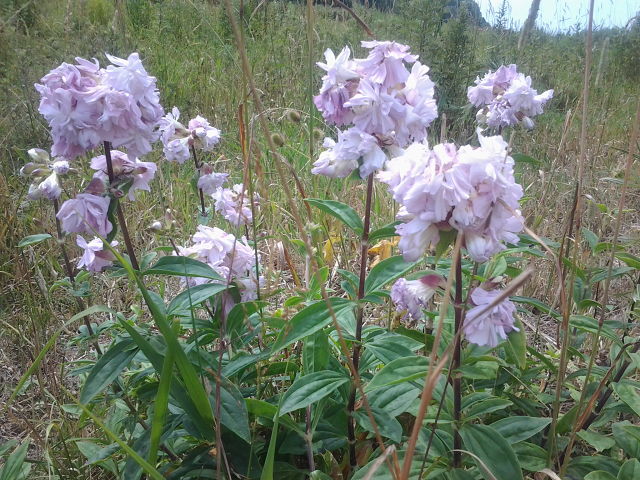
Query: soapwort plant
[[415, 367]]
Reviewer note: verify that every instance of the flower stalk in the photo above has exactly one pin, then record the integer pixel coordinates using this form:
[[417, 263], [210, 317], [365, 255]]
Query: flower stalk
[[455, 365], [121, 220], [364, 249], [200, 192]]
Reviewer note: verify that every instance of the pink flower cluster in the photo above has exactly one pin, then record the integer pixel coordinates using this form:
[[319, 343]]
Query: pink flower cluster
[[412, 296], [469, 189], [86, 105], [491, 327], [231, 257], [507, 98], [387, 104], [177, 139], [45, 175]]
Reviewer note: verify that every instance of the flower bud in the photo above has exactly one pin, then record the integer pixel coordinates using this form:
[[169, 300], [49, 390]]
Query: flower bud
[[277, 139], [39, 155], [528, 123], [293, 116], [318, 134], [155, 226]]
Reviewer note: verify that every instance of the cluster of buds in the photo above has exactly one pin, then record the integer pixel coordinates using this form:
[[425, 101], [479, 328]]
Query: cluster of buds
[[45, 175]]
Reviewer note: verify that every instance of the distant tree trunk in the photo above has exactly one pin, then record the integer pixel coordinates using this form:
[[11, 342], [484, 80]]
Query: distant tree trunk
[[529, 23]]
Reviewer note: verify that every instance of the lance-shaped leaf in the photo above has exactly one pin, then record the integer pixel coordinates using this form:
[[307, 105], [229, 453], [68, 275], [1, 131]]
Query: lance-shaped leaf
[[310, 389], [341, 211]]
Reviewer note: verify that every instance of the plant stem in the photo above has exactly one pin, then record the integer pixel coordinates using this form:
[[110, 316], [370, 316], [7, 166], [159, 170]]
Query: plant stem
[[121, 220], [364, 249], [455, 364], [197, 164]]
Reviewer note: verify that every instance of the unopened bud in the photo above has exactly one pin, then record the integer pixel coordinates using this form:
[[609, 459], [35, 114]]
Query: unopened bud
[[318, 134], [277, 139], [39, 155], [155, 226], [528, 123], [293, 116]]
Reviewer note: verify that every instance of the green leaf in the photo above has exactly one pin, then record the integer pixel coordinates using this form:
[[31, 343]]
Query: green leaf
[[447, 238], [521, 158], [543, 307], [596, 440], [33, 239], [394, 399], [599, 475], [627, 437], [319, 475], [386, 348], [386, 271], [341, 211], [310, 389], [107, 368], [193, 296], [628, 395], [616, 272], [494, 451], [531, 457], [590, 325], [591, 238], [233, 410], [516, 346], [311, 319], [580, 467], [13, 467], [630, 470], [516, 429], [398, 371], [387, 425], [487, 406], [161, 406], [149, 469], [384, 232], [260, 408], [183, 267], [630, 260], [315, 352]]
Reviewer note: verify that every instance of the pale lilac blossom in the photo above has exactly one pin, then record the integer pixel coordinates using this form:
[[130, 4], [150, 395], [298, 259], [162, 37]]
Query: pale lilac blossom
[[95, 257], [205, 137], [232, 258], [381, 99], [385, 62], [412, 296], [354, 149], [489, 328], [234, 204], [210, 181], [86, 214], [338, 85], [86, 105], [125, 169], [471, 189], [178, 139], [507, 98]]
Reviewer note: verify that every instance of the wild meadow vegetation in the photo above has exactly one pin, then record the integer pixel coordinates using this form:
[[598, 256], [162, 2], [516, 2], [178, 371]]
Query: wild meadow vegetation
[[278, 281]]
